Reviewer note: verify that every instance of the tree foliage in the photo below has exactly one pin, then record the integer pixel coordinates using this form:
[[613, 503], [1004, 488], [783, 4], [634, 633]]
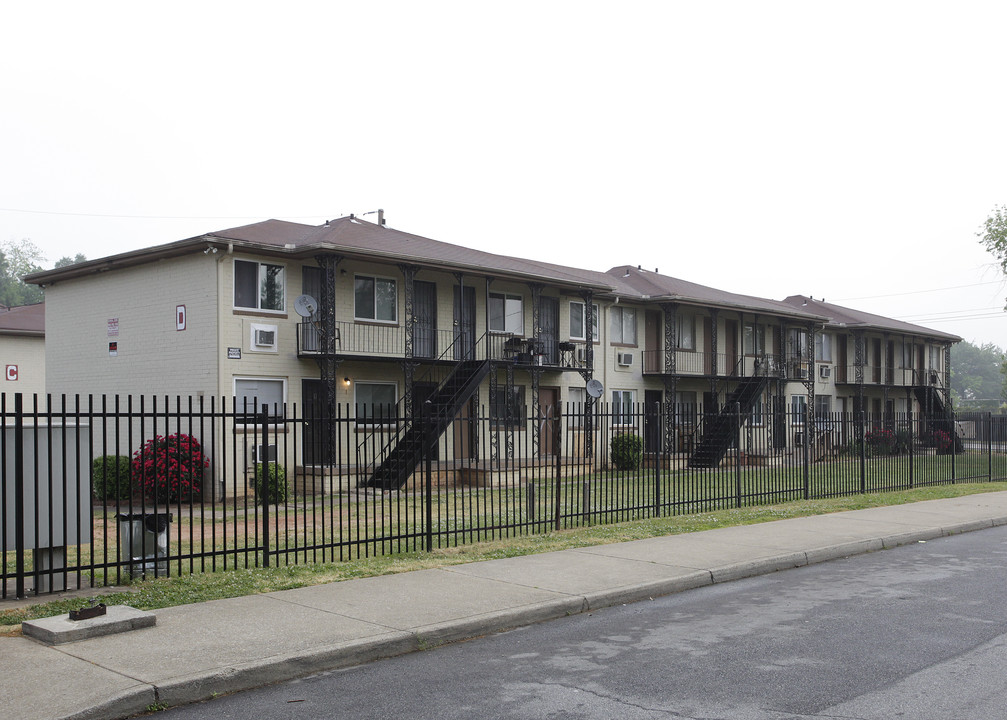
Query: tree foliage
[[978, 380], [993, 235], [20, 258]]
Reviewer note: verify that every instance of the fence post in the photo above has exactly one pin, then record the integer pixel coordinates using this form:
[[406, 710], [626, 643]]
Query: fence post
[[19, 543], [912, 474], [806, 437], [428, 484], [989, 444], [659, 419], [260, 473], [737, 457], [557, 436], [862, 437]]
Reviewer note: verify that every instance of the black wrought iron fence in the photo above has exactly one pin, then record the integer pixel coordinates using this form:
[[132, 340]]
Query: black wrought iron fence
[[98, 490]]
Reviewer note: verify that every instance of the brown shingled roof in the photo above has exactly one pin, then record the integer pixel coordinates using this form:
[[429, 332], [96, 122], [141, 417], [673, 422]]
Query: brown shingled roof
[[855, 319], [23, 320]]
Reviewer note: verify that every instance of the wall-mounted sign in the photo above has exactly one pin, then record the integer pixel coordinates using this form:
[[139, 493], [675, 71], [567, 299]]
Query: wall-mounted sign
[[180, 317], [12, 372], [113, 327], [113, 349], [234, 353]]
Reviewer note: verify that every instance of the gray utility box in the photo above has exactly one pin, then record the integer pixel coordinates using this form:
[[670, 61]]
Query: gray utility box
[[56, 492], [143, 542]]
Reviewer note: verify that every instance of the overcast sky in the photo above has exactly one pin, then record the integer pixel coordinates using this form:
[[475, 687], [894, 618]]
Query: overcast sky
[[844, 150]]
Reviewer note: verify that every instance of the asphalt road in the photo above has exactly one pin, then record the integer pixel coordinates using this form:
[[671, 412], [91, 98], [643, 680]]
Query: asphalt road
[[916, 632]]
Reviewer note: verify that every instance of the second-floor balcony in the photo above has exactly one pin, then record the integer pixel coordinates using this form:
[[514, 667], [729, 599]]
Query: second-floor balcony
[[700, 364], [389, 342]]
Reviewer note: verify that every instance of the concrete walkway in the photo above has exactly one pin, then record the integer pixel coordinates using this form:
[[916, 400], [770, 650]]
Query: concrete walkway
[[195, 651]]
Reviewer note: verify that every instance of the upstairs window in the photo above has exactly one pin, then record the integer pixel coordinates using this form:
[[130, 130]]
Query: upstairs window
[[686, 327], [622, 328], [506, 313], [258, 286], [823, 348], [577, 322], [375, 298], [754, 339]]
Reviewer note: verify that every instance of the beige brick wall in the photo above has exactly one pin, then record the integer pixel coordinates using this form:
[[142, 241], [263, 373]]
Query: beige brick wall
[[28, 354]]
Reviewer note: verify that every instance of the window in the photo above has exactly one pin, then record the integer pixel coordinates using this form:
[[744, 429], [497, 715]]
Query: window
[[797, 405], [823, 407], [754, 339], [907, 354], [577, 322], [686, 327], [757, 410], [375, 298], [253, 395], [507, 407], [506, 313], [622, 407], [375, 401], [577, 400], [686, 411], [935, 357], [258, 286], [797, 343], [823, 347], [622, 328]]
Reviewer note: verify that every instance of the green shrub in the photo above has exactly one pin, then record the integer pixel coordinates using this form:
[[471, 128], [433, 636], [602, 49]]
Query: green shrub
[[903, 442], [277, 479], [110, 477], [627, 451]]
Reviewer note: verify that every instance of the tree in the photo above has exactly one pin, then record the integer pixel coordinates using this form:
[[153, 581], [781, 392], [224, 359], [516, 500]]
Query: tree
[[19, 259], [993, 236], [978, 381], [67, 260]]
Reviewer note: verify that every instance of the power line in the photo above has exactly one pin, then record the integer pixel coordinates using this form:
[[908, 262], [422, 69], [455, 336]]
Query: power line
[[158, 217], [918, 292]]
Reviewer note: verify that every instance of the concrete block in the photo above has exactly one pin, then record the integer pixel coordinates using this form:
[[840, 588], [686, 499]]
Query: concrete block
[[61, 629]]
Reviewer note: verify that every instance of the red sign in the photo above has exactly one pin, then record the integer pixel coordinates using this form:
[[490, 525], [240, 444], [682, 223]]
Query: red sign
[[12, 372], [180, 317]]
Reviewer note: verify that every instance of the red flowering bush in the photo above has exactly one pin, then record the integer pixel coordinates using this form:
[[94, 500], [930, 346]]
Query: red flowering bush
[[941, 440], [168, 469]]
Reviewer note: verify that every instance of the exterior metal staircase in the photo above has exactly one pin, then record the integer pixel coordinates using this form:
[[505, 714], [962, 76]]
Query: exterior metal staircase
[[720, 429], [938, 415], [421, 432]]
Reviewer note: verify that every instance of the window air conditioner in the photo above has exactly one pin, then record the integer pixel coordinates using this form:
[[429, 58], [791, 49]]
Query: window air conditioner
[[581, 354], [625, 359], [265, 338], [824, 371], [800, 370]]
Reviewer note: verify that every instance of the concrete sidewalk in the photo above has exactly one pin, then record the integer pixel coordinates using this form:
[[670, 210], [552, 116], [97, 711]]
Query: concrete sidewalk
[[195, 651]]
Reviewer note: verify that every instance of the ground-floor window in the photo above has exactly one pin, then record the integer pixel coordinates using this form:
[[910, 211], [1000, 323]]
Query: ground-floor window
[[375, 402], [622, 407], [798, 404], [507, 407], [577, 399], [253, 394]]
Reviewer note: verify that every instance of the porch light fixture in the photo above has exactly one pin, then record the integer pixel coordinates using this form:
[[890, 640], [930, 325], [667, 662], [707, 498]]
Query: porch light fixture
[[346, 381]]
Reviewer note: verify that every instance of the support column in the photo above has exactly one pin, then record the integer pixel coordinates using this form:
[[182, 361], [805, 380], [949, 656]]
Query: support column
[[859, 357], [588, 372], [328, 363], [670, 376], [409, 327]]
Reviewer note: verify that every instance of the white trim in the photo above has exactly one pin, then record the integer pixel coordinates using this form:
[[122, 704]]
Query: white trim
[[258, 264], [373, 276]]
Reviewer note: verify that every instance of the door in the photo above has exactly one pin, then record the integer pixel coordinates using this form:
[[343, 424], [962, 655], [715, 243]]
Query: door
[[653, 357], [548, 417], [652, 421], [425, 313], [318, 440], [465, 323], [841, 358], [779, 422], [876, 360], [463, 431], [549, 331], [709, 362], [731, 346]]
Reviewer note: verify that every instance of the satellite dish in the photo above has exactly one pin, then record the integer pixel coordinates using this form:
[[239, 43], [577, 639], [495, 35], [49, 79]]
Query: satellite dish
[[305, 305], [595, 388]]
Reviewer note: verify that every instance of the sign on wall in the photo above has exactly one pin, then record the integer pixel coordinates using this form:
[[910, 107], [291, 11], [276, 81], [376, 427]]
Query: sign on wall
[[113, 327], [12, 372], [180, 317]]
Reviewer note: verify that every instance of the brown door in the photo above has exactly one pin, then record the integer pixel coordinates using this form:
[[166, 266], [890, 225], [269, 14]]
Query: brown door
[[876, 360], [653, 357], [841, 357], [464, 432], [548, 425]]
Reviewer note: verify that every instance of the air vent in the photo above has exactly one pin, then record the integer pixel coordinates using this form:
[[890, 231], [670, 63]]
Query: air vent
[[263, 338]]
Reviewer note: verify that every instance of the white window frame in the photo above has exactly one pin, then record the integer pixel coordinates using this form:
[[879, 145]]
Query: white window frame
[[753, 339], [580, 332], [374, 299], [576, 403], [369, 420], [512, 313], [758, 415], [620, 416], [261, 278], [617, 328], [823, 347], [797, 405], [239, 406], [686, 340]]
